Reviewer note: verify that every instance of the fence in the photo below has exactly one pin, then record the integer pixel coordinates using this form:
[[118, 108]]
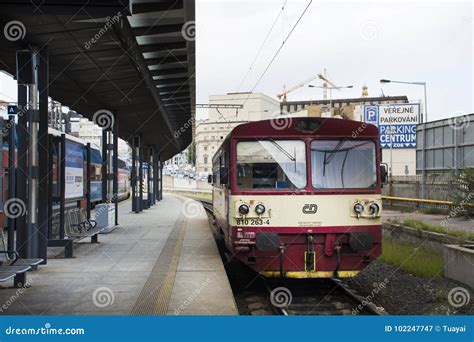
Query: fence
[[185, 184], [437, 187]]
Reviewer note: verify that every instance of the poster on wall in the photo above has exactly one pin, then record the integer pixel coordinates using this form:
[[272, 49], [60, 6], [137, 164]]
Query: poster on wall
[[145, 181], [74, 164], [396, 123]]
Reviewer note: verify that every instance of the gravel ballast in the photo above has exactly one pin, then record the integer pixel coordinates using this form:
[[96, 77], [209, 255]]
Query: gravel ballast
[[402, 293]]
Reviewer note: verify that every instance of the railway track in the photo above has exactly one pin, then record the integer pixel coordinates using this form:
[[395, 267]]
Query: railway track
[[318, 297], [257, 295]]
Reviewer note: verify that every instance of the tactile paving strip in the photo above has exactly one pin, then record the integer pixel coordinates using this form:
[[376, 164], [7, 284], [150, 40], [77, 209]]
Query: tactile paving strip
[[155, 295]]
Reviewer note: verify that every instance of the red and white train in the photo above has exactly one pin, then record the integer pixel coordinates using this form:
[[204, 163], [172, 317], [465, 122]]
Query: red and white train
[[300, 198]]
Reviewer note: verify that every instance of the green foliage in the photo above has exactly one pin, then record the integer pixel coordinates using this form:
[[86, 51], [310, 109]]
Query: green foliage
[[463, 190], [420, 261], [420, 225], [192, 154]]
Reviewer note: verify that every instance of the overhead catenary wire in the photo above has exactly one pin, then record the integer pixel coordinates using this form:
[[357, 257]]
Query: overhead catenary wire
[[261, 46], [278, 51]]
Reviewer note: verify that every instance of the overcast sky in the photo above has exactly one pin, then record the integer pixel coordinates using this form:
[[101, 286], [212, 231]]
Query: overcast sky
[[357, 42]]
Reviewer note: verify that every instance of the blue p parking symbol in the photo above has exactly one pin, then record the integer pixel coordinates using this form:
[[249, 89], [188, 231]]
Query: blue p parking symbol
[[371, 114]]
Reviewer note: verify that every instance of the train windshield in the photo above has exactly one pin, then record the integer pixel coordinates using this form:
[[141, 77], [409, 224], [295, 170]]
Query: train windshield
[[342, 164], [271, 164]]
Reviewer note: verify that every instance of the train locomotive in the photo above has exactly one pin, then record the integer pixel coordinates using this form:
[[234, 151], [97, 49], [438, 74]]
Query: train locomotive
[[300, 197]]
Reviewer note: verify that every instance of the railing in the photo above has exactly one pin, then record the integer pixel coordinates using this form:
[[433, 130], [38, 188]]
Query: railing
[[418, 201]]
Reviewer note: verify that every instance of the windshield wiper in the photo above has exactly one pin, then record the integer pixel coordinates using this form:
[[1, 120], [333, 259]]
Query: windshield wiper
[[336, 149], [282, 150]]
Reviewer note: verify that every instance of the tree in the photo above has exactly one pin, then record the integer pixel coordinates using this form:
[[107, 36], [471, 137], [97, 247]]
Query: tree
[[192, 154], [463, 190]]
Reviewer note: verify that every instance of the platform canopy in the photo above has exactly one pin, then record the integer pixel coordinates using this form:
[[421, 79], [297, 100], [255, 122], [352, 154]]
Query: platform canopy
[[135, 58]]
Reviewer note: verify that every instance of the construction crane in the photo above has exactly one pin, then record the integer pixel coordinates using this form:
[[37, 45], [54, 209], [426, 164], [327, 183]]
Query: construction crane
[[282, 95]]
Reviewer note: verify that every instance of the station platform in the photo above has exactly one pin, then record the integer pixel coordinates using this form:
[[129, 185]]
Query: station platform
[[163, 261]]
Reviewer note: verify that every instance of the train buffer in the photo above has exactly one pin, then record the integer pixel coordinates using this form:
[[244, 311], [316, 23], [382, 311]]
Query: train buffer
[[162, 262]]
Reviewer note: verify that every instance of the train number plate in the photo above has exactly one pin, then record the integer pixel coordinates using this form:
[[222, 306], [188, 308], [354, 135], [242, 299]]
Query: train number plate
[[252, 222]]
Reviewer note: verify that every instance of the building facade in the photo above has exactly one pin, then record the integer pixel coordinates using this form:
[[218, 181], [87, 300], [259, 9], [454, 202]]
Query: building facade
[[210, 133], [350, 108], [88, 131]]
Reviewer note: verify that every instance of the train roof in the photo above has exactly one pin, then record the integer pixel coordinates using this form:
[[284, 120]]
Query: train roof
[[304, 126]]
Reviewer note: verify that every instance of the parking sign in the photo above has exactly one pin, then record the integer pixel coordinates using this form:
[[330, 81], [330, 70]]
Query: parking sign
[[371, 114], [396, 123]]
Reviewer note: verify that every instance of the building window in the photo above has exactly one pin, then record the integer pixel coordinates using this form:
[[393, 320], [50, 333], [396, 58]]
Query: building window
[[205, 148], [205, 159]]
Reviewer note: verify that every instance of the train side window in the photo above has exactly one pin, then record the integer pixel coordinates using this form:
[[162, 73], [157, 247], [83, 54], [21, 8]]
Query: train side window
[[215, 172], [223, 170]]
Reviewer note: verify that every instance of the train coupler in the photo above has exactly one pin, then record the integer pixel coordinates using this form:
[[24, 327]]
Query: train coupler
[[310, 256]]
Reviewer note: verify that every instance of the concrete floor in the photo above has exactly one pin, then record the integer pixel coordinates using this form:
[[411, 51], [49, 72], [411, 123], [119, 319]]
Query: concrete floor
[[108, 278]]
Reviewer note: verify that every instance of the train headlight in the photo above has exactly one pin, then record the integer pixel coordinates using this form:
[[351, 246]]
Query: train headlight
[[244, 209], [260, 209], [358, 208], [374, 208]]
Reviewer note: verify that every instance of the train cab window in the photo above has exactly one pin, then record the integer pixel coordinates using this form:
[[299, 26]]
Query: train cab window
[[271, 165], [343, 164]]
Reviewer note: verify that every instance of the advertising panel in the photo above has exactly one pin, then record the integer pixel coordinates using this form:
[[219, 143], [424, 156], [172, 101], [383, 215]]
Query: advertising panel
[[145, 181], [74, 164]]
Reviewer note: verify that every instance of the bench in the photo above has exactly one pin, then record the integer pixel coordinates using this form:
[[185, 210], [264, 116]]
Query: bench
[[76, 228], [15, 267], [79, 226]]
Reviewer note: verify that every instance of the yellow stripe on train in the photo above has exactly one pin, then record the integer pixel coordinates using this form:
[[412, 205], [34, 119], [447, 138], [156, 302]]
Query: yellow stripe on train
[[303, 275]]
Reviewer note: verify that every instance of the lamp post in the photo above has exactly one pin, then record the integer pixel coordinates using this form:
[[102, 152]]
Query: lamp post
[[330, 91], [424, 93], [425, 120]]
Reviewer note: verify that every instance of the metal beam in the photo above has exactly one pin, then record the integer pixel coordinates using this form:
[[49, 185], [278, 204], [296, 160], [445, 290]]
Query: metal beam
[[134, 177], [168, 71], [156, 29], [166, 60], [162, 46], [43, 142], [128, 41], [11, 181], [145, 7], [140, 174], [62, 185], [88, 181], [21, 224], [115, 166]]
